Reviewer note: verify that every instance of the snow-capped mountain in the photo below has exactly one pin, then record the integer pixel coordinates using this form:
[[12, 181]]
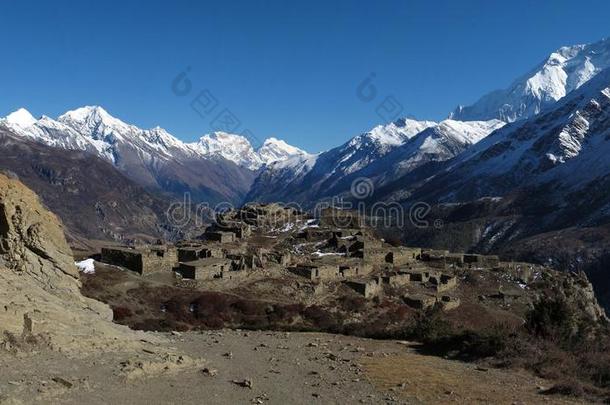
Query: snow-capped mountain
[[48, 131], [235, 148], [108, 132], [437, 143], [217, 168], [20, 118], [565, 70], [276, 150], [152, 158], [300, 177], [381, 154], [93, 129], [536, 189], [563, 151], [238, 149]]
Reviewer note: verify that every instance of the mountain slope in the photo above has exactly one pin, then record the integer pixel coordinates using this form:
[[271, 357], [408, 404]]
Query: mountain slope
[[563, 71], [93, 199], [153, 158], [536, 189], [568, 145], [238, 149], [380, 155]]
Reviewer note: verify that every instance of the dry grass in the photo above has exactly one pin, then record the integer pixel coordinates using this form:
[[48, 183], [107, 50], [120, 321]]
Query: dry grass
[[434, 380]]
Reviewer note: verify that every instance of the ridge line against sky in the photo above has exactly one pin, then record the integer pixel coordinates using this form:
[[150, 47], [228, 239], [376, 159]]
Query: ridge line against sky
[[288, 71]]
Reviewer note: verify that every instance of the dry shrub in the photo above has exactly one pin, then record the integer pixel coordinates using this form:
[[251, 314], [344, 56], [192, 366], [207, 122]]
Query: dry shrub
[[320, 318], [120, 313]]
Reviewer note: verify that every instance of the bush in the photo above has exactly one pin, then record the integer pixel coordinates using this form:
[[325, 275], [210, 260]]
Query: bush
[[429, 327], [320, 318], [553, 319], [120, 313]]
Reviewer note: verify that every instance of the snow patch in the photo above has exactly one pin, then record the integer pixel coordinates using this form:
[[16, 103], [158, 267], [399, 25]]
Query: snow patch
[[86, 266]]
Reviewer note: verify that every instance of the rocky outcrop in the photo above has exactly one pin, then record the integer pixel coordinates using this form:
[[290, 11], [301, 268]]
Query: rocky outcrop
[[39, 285], [577, 291], [32, 239]]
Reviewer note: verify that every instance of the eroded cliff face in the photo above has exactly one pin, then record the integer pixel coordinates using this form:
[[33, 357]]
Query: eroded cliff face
[[32, 241], [39, 285]]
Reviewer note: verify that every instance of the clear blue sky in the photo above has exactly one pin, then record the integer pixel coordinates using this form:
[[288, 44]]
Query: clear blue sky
[[286, 69]]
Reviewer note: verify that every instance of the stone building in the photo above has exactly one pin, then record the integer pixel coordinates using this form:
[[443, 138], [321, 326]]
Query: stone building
[[316, 272], [143, 260], [240, 230], [367, 288], [246, 261], [189, 254], [455, 259], [446, 283], [422, 276], [261, 215], [204, 269], [338, 218], [396, 279], [374, 255], [354, 268], [220, 236], [473, 260], [192, 253], [399, 256], [419, 301], [448, 303], [282, 258]]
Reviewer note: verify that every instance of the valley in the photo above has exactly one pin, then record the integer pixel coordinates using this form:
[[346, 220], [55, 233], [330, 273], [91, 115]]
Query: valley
[[462, 259]]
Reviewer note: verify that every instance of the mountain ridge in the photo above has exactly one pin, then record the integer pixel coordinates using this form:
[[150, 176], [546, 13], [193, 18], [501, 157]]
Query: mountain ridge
[[563, 71]]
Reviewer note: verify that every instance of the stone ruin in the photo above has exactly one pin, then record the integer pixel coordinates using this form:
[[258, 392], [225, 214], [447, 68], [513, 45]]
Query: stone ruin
[[260, 216], [205, 269], [224, 253], [141, 260], [444, 259], [350, 254], [333, 217]]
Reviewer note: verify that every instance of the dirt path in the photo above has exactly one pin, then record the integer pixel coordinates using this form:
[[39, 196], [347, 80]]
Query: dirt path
[[281, 368]]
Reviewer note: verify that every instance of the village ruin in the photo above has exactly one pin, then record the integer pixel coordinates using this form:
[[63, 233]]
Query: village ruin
[[269, 240]]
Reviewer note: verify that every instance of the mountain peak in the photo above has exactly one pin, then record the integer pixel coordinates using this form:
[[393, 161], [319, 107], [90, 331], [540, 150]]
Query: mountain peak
[[21, 117], [238, 149], [233, 147], [393, 134], [87, 119], [274, 150], [563, 71], [86, 112]]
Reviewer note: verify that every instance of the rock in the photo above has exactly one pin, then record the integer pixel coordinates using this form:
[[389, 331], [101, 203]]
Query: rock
[[246, 383], [39, 284], [63, 382], [260, 399], [211, 372], [332, 356]]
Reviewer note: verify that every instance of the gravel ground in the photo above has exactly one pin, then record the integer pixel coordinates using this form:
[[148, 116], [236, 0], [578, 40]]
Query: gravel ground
[[241, 367]]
